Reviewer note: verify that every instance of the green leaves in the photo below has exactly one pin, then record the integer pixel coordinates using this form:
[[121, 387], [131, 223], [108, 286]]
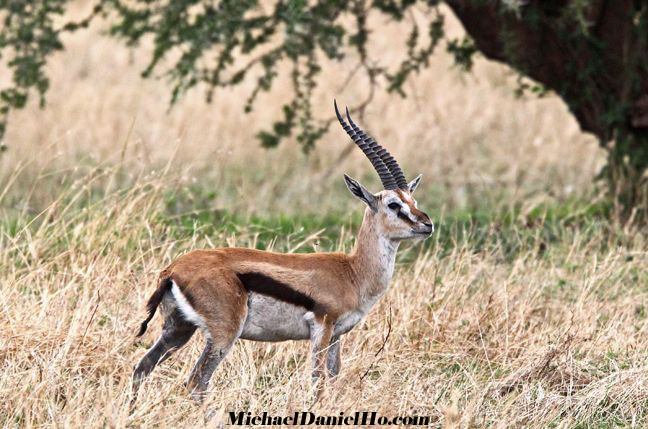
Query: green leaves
[[463, 50], [28, 37], [221, 44], [416, 59]]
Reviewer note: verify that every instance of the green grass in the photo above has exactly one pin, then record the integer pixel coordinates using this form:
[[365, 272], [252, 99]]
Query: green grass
[[187, 213], [482, 230]]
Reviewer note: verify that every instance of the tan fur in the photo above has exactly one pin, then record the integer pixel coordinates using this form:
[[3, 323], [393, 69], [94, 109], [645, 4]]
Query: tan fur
[[342, 286], [327, 277]]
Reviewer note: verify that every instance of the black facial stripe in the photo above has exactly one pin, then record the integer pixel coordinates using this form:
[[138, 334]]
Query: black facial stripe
[[405, 218], [265, 285]]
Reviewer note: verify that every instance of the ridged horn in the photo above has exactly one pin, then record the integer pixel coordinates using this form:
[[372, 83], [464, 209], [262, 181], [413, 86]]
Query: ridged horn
[[368, 149], [390, 161]]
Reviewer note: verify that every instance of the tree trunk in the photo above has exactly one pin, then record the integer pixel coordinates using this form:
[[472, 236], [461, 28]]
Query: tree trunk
[[592, 54]]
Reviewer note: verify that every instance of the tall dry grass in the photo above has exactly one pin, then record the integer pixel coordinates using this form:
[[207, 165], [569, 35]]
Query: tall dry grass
[[521, 324], [474, 339]]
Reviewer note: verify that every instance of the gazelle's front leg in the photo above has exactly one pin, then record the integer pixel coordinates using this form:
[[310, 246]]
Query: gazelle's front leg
[[321, 331], [333, 361]]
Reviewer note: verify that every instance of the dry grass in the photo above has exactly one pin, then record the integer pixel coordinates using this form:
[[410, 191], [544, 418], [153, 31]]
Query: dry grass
[[527, 322], [467, 133]]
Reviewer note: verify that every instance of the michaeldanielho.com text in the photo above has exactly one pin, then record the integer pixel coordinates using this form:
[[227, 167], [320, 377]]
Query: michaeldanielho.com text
[[304, 418]]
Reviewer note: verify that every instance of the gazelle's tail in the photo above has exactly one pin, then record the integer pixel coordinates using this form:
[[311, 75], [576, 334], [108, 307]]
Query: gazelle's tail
[[154, 301]]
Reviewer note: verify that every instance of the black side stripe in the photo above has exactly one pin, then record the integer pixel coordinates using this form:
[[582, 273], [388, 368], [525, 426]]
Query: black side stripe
[[265, 285]]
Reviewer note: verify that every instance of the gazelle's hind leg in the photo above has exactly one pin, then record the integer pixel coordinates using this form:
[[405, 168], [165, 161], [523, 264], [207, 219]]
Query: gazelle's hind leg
[[211, 357], [224, 322], [176, 331]]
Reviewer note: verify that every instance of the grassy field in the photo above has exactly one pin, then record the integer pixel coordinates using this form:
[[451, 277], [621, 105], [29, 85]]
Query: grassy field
[[527, 307]]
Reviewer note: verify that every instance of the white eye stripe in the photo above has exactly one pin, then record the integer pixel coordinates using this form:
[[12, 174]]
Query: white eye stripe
[[406, 211], [403, 208]]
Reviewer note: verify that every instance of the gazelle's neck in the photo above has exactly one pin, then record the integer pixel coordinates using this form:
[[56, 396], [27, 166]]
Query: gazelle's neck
[[373, 257]]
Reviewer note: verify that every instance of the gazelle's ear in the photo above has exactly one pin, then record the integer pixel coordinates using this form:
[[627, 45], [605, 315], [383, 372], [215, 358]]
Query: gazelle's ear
[[411, 186], [361, 192]]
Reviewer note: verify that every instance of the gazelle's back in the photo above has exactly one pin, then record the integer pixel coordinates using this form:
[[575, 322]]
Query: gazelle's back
[[293, 278]]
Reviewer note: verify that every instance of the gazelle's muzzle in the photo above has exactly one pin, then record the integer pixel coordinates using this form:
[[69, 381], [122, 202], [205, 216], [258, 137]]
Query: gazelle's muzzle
[[424, 227], [423, 223]]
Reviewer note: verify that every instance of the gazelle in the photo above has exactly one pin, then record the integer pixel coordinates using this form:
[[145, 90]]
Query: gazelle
[[234, 293]]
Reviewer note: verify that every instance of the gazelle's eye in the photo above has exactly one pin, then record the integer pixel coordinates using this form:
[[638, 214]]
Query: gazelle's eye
[[394, 206]]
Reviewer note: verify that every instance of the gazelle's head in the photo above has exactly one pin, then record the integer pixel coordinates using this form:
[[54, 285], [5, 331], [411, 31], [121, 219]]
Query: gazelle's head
[[393, 211]]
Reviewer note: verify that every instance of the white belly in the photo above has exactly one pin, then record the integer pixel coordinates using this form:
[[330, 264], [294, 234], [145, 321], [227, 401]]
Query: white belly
[[269, 319], [347, 322]]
